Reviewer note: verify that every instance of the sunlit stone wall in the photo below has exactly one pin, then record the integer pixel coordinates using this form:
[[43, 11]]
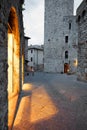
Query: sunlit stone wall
[[5, 6], [82, 40]]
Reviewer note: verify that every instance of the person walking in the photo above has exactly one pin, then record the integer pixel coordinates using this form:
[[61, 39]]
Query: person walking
[[32, 70]]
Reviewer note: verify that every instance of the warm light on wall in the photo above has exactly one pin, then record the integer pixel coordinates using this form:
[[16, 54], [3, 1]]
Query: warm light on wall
[[75, 62], [10, 61], [14, 63]]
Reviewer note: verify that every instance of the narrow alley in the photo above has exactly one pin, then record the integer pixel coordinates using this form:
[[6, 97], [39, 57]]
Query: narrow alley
[[52, 102]]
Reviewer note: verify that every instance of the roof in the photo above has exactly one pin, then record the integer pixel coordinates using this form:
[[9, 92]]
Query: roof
[[37, 47], [27, 37]]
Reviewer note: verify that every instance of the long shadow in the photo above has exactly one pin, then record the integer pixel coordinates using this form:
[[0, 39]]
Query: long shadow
[[23, 94], [70, 112]]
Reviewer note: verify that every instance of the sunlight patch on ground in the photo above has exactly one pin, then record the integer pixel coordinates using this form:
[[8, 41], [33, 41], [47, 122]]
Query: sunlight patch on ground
[[34, 108], [23, 112], [27, 86], [42, 106]]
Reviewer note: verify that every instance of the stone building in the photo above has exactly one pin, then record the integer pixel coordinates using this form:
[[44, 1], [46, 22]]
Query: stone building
[[82, 40], [59, 36], [11, 45], [26, 54], [35, 57], [70, 40], [26, 48]]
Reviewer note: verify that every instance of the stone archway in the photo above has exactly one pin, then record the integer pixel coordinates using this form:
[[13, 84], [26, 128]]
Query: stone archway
[[13, 64], [13, 52]]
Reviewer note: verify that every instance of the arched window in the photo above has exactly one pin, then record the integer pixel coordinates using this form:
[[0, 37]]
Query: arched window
[[66, 54], [69, 26], [83, 13]]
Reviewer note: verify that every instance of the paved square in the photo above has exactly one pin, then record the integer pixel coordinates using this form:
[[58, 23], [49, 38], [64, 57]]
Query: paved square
[[52, 102]]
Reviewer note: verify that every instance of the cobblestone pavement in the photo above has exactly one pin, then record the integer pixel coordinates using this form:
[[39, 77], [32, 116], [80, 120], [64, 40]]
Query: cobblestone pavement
[[52, 102]]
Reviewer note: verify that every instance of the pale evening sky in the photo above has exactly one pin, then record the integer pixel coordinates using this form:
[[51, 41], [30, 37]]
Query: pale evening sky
[[34, 20]]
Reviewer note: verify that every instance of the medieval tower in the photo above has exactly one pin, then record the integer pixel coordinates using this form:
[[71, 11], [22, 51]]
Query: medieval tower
[[59, 24]]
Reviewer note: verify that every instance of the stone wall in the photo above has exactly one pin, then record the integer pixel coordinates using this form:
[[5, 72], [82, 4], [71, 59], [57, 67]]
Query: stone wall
[[5, 6], [55, 10], [82, 40], [70, 30]]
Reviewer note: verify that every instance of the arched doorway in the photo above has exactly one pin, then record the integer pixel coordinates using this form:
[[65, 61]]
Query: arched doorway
[[13, 64], [13, 52], [66, 68]]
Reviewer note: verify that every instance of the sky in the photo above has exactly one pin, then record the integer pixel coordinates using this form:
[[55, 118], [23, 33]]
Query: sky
[[33, 17]]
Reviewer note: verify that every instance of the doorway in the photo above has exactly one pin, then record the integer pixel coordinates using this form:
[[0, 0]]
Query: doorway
[[66, 68], [13, 65], [13, 53]]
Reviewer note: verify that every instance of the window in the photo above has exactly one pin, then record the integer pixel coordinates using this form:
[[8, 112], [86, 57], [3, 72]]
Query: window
[[83, 13], [31, 59], [69, 26], [79, 18], [31, 51], [66, 39], [66, 54]]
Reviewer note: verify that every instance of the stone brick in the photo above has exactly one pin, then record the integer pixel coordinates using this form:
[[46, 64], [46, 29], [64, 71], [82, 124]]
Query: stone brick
[[82, 40]]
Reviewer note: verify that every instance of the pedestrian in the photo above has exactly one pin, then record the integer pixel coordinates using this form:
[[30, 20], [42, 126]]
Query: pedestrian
[[32, 70]]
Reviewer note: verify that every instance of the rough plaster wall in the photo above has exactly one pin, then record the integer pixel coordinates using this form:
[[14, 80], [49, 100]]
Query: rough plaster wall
[[55, 10], [82, 42], [5, 6]]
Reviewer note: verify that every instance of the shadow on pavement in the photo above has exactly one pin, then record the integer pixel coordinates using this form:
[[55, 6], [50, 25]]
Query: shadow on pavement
[[50, 104]]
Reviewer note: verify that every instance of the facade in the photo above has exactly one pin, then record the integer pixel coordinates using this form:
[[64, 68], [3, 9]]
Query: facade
[[35, 57], [70, 40], [26, 48], [11, 46], [25, 53], [82, 40], [59, 28]]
